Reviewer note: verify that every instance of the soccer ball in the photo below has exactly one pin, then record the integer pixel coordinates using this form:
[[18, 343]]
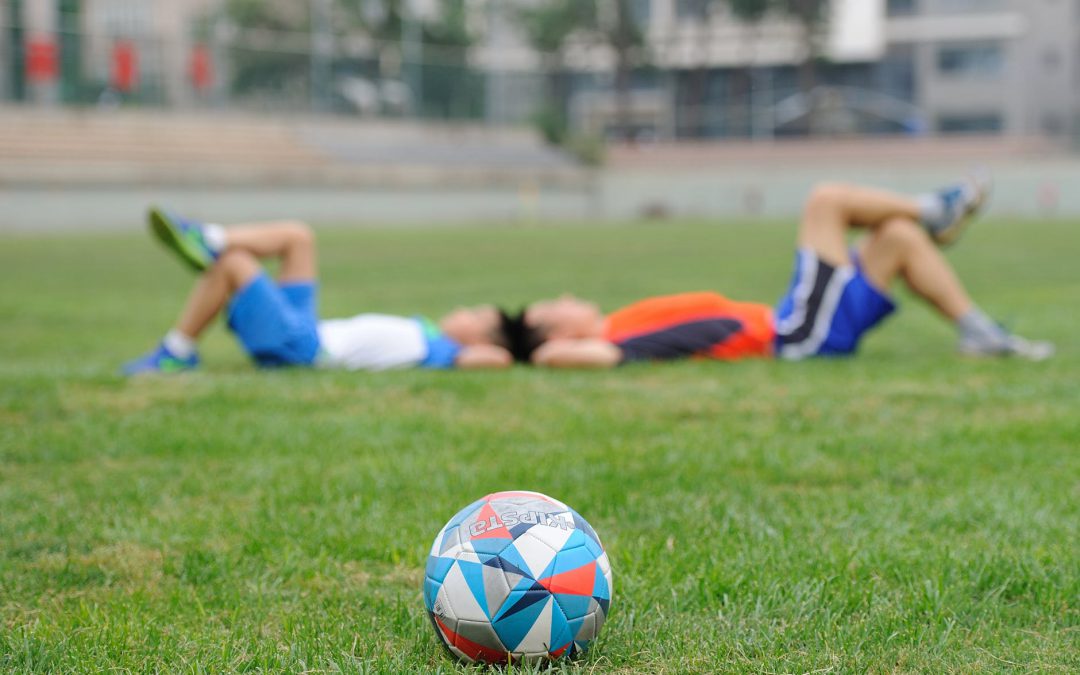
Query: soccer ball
[[517, 576]]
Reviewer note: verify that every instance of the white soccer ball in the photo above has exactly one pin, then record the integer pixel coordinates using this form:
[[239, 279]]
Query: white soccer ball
[[517, 576]]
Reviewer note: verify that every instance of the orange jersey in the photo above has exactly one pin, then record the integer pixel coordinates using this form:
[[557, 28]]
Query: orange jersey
[[703, 325]]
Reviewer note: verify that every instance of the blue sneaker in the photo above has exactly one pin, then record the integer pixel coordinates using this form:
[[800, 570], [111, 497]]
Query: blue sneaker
[[186, 238], [160, 360], [960, 204]]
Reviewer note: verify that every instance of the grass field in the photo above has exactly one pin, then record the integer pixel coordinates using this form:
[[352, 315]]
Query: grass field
[[904, 511]]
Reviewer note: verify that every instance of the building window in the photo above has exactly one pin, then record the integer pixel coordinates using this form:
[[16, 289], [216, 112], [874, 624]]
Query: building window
[[971, 123], [969, 6], [895, 73], [904, 7], [641, 11], [692, 9], [983, 59]]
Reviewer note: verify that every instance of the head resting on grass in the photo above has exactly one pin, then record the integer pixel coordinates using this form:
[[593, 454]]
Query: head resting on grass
[[476, 325], [566, 317], [521, 340], [480, 330]]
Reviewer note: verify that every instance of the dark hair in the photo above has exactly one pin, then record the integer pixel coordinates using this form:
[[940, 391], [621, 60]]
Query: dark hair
[[521, 339]]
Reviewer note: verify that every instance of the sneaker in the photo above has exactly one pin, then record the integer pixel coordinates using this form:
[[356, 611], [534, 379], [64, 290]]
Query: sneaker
[[160, 360], [185, 237], [1011, 346], [960, 204]]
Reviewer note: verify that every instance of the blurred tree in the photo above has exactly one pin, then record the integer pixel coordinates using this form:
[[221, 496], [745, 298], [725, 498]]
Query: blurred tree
[[444, 24], [273, 46], [812, 16], [548, 27], [263, 59], [751, 13], [749, 10], [551, 24], [692, 120], [622, 31], [432, 41]]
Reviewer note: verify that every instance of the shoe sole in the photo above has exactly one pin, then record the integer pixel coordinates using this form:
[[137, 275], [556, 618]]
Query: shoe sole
[[169, 235], [1033, 355], [951, 234]]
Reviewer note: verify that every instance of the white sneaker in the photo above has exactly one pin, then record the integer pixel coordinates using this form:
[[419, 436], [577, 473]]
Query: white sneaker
[[960, 204], [1011, 346]]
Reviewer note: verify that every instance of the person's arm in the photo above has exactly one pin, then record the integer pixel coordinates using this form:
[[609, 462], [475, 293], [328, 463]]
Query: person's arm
[[476, 357], [578, 354]]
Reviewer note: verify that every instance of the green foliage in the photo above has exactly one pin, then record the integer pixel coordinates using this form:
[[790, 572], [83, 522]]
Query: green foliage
[[549, 24], [812, 17], [809, 12], [269, 66], [273, 56], [280, 16], [552, 125], [749, 11], [589, 149], [903, 511], [622, 30], [450, 29]]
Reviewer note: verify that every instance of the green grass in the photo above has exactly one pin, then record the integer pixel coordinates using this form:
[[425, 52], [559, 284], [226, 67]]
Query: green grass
[[904, 511]]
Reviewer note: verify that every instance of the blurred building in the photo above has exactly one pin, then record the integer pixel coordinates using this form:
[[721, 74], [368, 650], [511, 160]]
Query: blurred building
[[1008, 66], [886, 66], [910, 66]]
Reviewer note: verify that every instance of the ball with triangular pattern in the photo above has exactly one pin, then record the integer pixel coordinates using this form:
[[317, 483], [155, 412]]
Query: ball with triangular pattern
[[517, 576]]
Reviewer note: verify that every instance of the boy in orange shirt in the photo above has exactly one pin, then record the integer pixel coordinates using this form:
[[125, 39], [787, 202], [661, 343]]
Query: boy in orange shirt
[[838, 293]]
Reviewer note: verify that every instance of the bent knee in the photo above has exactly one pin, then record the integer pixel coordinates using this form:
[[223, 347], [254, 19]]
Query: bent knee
[[237, 267], [903, 232], [829, 195], [231, 257], [301, 232]]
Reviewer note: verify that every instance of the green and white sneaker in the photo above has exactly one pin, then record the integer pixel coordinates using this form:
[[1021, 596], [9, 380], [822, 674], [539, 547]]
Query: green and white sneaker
[[186, 238], [160, 360]]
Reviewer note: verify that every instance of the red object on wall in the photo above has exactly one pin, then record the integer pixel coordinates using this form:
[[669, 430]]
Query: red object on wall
[[42, 60], [202, 68], [125, 66]]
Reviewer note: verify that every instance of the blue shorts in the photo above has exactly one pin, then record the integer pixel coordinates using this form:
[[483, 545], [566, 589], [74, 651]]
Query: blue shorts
[[827, 309], [277, 324]]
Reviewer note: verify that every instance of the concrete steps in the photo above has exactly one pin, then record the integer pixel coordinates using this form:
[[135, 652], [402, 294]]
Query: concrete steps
[[147, 148], [927, 151]]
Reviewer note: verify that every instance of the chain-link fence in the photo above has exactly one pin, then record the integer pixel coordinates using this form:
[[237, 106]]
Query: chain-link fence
[[913, 88], [262, 70]]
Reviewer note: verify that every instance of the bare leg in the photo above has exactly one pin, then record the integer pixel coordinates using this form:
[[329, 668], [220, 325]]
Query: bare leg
[[232, 271], [291, 241], [833, 209], [900, 247]]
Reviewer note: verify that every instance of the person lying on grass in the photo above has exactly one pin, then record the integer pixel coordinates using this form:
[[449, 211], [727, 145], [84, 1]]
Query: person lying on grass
[[276, 321], [837, 293]]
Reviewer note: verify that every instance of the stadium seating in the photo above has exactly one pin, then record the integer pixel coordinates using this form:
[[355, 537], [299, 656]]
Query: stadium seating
[[959, 150], [121, 147]]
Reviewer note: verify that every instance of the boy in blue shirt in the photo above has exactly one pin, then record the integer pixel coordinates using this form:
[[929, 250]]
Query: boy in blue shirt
[[276, 320]]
